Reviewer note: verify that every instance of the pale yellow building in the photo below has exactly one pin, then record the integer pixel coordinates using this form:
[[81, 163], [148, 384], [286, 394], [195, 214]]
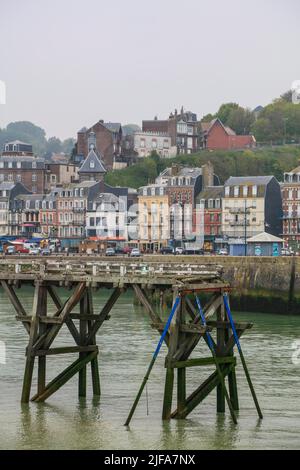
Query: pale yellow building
[[154, 220]]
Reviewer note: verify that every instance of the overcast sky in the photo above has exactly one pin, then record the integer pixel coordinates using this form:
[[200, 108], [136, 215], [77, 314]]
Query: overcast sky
[[69, 63]]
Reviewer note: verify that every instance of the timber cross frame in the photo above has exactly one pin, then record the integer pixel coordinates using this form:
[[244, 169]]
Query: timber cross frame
[[181, 339]]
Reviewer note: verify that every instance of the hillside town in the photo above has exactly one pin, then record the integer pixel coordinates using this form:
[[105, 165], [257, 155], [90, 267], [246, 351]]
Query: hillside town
[[65, 205]]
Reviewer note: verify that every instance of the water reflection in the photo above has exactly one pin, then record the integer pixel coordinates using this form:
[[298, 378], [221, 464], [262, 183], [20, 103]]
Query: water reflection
[[126, 343]]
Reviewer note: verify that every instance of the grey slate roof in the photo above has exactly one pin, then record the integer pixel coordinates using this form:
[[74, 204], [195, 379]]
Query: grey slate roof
[[97, 166], [239, 180], [112, 126], [211, 192]]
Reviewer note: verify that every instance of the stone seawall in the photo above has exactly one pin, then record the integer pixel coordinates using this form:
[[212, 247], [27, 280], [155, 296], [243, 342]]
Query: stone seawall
[[263, 284]]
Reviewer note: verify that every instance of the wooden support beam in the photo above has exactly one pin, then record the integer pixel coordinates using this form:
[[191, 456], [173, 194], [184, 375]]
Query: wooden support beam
[[63, 377], [201, 393], [82, 355], [11, 294], [66, 350], [155, 318], [173, 345], [103, 314], [42, 309], [220, 352], [168, 394], [59, 305], [64, 312], [94, 362], [32, 337], [184, 328], [189, 344], [203, 361]]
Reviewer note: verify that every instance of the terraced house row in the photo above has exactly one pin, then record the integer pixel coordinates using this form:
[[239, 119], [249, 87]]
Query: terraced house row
[[183, 207]]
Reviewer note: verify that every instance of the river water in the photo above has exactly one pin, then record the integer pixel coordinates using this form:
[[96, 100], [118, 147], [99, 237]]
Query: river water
[[126, 344]]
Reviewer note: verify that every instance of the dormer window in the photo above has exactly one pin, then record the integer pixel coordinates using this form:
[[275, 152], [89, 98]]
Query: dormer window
[[92, 164]]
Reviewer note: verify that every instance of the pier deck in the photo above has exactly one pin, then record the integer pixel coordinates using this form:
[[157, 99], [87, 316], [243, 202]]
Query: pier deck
[[82, 277]]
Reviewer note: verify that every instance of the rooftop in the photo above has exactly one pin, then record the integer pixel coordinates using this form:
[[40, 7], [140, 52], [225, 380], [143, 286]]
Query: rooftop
[[239, 180]]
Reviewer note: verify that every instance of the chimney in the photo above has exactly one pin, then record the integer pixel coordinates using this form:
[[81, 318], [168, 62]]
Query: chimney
[[101, 121], [207, 175], [175, 169]]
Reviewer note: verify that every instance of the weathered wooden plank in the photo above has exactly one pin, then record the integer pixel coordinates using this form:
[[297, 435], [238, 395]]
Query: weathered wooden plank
[[27, 380], [10, 292], [184, 328], [59, 305], [63, 377], [103, 314], [201, 393], [203, 361], [66, 350], [189, 344], [42, 309], [67, 308]]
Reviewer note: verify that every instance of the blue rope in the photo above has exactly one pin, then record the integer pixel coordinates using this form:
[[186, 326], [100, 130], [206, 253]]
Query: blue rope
[[174, 308], [208, 336], [229, 315]]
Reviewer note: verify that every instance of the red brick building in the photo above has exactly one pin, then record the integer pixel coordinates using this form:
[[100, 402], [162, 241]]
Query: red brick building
[[28, 170], [108, 142], [216, 136]]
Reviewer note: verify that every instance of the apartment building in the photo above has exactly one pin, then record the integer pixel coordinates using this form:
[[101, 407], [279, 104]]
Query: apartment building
[[153, 217], [291, 208], [251, 205]]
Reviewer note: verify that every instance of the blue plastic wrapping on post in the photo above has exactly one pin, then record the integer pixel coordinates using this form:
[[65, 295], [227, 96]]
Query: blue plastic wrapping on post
[[209, 339], [236, 338], [167, 326]]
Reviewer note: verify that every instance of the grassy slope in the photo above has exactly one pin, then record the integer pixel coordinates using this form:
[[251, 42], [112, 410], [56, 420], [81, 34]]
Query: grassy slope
[[267, 161]]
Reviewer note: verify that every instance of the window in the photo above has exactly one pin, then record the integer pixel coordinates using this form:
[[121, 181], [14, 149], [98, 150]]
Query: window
[[10, 165], [142, 143], [154, 143], [33, 164], [34, 178], [1, 164], [18, 164], [19, 178], [227, 191], [236, 191], [10, 177], [254, 190], [245, 191], [37, 205], [92, 164]]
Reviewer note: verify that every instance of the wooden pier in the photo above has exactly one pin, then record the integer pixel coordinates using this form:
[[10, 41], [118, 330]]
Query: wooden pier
[[82, 278]]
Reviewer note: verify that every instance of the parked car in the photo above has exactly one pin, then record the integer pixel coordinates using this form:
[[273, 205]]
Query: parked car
[[10, 250], [46, 252], [286, 252], [34, 251], [119, 250], [127, 250], [167, 250], [110, 252], [179, 250], [135, 252], [223, 252]]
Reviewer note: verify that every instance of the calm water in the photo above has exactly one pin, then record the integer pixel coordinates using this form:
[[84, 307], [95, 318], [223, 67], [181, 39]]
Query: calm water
[[126, 343]]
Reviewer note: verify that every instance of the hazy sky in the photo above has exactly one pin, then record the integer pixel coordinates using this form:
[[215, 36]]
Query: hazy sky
[[69, 63]]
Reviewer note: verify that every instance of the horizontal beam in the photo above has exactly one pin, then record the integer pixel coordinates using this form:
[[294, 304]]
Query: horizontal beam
[[226, 324], [204, 361], [66, 350], [192, 329], [42, 319]]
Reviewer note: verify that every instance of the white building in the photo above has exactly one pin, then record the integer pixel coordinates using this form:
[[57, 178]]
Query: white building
[[107, 218], [146, 142]]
